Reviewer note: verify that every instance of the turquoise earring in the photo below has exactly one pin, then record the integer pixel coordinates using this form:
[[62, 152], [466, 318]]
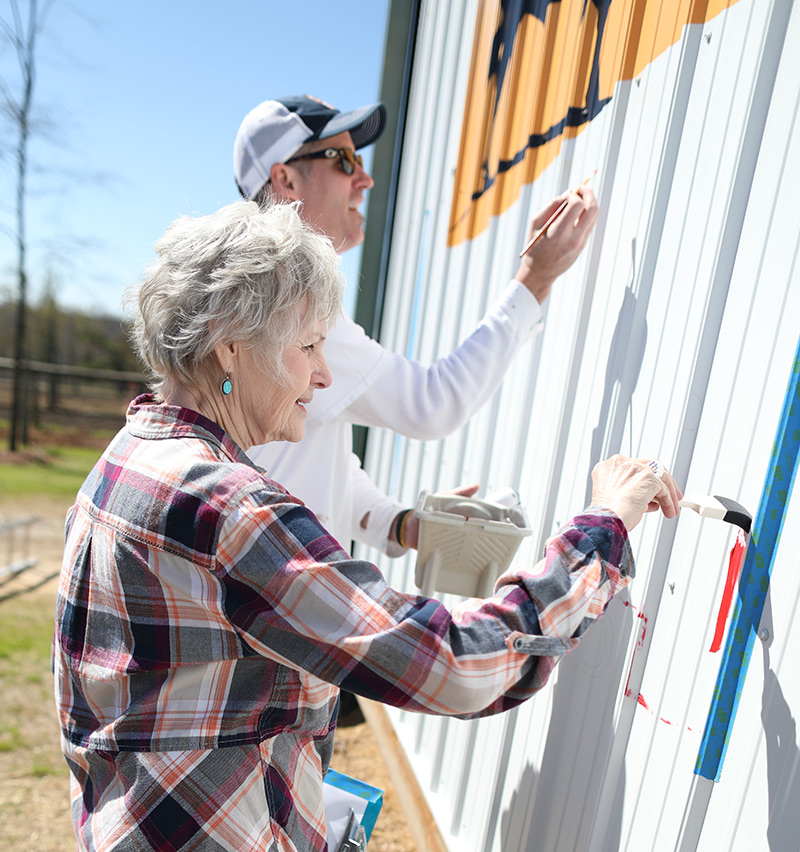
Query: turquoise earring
[[227, 385]]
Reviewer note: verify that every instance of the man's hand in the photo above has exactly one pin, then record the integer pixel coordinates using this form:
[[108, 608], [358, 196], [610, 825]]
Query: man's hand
[[565, 239], [411, 527]]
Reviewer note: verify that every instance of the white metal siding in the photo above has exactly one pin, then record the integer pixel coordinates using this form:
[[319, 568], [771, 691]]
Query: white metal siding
[[672, 337]]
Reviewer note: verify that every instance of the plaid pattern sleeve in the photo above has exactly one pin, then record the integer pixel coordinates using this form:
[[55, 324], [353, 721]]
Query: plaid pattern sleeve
[[205, 621], [323, 613]]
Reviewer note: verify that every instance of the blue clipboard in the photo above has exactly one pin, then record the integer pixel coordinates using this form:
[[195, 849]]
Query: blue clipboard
[[343, 794]]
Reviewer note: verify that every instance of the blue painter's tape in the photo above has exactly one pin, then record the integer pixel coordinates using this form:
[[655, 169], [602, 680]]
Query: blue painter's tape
[[753, 583]]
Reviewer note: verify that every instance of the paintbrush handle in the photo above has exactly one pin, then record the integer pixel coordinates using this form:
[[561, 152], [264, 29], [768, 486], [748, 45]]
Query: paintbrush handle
[[559, 210], [543, 230], [721, 508]]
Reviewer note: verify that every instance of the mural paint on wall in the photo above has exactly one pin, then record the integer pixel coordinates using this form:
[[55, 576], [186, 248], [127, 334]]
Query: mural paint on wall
[[734, 569], [754, 583], [541, 70]]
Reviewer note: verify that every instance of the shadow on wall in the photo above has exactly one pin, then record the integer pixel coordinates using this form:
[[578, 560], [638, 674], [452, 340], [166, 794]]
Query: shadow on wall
[[581, 730], [622, 370], [578, 742], [783, 755]]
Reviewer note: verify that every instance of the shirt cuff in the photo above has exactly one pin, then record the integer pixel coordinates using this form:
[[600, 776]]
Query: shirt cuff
[[518, 302], [379, 525]]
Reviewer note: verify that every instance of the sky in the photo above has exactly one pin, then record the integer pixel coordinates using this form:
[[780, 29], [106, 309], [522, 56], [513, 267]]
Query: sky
[[142, 101]]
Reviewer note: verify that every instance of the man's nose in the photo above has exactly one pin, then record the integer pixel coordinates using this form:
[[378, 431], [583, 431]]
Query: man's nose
[[363, 178]]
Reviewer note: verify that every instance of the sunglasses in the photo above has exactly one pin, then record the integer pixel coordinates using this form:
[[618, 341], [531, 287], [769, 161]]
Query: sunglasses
[[348, 159]]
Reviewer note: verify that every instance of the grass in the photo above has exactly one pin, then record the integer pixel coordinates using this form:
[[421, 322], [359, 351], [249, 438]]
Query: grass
[[25, 633], [10, 738], [46, 473], [52, 471]]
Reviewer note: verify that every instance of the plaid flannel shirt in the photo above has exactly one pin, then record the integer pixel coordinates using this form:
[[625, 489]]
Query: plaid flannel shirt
[[205, 622]]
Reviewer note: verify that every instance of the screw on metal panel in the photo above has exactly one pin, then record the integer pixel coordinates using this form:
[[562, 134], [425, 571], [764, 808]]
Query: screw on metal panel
[[671, 587], [707, 37], [763, 634]]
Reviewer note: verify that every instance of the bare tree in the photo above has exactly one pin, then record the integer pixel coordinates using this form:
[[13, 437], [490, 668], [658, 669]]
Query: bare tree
[[22, 33]]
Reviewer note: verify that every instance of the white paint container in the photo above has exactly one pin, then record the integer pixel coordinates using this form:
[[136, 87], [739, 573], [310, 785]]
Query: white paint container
[[465, 543]]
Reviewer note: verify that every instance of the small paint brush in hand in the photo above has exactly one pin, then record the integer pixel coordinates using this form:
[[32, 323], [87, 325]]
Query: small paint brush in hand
[[721, 508], [559, 210]]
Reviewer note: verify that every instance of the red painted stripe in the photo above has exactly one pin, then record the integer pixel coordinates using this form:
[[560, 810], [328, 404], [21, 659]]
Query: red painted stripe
[[734, 567]]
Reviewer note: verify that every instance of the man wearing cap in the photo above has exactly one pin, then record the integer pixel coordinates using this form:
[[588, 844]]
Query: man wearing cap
[[302, 149]]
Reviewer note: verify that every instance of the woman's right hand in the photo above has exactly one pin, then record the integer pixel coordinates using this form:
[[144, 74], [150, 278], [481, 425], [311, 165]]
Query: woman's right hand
[[630, 487]]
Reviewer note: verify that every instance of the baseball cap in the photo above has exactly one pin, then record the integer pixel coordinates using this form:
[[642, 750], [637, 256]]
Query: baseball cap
[[275, 130]]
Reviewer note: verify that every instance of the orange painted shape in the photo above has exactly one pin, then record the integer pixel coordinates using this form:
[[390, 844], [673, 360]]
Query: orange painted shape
[[546, 77]]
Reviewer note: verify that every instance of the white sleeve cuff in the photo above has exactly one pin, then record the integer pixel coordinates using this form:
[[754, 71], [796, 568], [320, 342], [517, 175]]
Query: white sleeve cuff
[[518, 301], [379, 526]]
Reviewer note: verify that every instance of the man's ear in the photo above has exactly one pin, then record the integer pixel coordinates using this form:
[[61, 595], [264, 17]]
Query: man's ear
[[284, 182]]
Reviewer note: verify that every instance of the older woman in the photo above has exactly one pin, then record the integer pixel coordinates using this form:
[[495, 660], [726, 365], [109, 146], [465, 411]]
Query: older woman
[[205, 620]]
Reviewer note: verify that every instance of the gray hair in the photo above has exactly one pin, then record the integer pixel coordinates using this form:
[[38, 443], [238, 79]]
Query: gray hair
[[237, 275]]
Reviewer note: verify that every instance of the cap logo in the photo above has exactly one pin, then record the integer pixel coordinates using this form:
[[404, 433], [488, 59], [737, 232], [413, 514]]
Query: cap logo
[[324, 103]]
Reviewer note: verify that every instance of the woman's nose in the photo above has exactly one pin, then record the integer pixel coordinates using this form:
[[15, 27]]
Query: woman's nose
[[321, 377]]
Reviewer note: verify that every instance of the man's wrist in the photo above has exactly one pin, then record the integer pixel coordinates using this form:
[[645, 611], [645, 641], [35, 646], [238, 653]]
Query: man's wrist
[[537, 286], [399, 527]]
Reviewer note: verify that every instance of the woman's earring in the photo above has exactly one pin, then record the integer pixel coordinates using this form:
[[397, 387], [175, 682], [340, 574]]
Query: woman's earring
[[227, 385]]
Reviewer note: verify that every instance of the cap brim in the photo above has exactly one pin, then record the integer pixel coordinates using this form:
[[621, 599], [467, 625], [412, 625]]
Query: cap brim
[[365, 124]]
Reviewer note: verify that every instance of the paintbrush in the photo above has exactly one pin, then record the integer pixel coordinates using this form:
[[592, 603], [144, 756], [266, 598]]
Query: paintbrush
[[559, 210], [721, 508]]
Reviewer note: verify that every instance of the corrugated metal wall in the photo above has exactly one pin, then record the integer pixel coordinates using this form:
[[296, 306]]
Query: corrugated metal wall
[[673, 336]]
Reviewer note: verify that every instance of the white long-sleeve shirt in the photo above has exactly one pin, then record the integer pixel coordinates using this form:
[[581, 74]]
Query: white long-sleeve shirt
[[375, 387]]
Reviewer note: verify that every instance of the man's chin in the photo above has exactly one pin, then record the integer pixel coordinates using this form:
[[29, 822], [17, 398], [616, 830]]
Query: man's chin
[[353, 240]]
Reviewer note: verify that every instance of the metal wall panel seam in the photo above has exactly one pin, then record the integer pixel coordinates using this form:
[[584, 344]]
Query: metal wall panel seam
[[421, 177], [721, 444], [584, 314], [755, 572], [737, 206], [766, 333], [608, 171], [691, 43], [643, 414], [753, 588], [642, 796], [758, 406], [587, 292], [382, 451], [781, 828], [398, 482], [440, 451]]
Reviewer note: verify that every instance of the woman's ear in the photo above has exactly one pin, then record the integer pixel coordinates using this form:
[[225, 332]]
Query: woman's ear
[[283, 179], [226, 355]]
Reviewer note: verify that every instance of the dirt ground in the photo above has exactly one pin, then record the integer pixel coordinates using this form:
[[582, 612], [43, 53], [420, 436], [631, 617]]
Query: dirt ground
[[34, 809]]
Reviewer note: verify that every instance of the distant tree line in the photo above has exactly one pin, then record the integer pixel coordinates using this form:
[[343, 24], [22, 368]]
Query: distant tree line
[[42, 340], [59, 335]]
